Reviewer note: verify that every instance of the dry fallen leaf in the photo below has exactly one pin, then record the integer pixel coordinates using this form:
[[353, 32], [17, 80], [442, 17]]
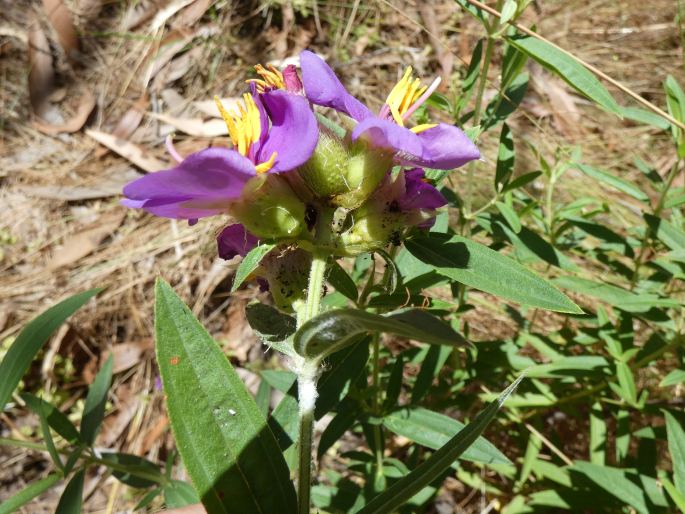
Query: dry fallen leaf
[[192, 14], [209, 108], [41, 73], [60, 19], [86, 104], [134, 153], [78, 245], [127, 355], [195, 126], [564, 111], [106, 186]]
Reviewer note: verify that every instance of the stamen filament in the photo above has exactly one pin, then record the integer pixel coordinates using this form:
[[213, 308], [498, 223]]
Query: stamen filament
[[267, 165]]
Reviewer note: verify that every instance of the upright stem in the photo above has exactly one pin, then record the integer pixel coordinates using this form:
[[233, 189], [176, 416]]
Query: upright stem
[[648, 231], [377, 436], [306, 383], [489, 48]]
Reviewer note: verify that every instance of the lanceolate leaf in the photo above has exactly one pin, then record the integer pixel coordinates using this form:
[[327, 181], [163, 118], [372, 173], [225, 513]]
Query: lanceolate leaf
[[676, 447], [433, 430], [32, 339], [229, 451], [250, 263], [72, 498], [24, 496], [94, 410], [334, 330], [568, 69], [58, 421], [402, 490], [480, 267], [621, 184]]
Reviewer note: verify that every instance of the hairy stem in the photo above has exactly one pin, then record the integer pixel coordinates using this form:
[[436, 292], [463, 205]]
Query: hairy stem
[[306, 383]]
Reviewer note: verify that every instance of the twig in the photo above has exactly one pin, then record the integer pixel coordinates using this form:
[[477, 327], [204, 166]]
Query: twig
[[549, 445]]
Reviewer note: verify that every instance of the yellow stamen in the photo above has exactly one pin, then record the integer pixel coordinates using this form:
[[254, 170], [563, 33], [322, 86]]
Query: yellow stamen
[[271, 78], [266, 166], [405, 93], [421, 128], [244, 126]]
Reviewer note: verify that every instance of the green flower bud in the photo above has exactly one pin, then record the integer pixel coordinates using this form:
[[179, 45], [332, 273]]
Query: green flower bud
[[346, 174], [269, 209], [287, 271], [375, 225]]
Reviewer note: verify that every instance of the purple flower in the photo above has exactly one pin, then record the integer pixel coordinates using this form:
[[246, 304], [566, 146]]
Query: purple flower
[[440, 145], [419, 193], [272, 132], [235, 240]]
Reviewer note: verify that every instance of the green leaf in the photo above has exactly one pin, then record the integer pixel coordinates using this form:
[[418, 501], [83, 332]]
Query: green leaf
[[431, 363], [179, 494], [56, 419], [434, 430], [250, 263], [566, 67], [342, 282], [506, 102], [508, 11], [619, 298], [645, 117], [505, 158], [270, 324], [626, 382], [598, 435], [467, 85], [94, 410], [31, 340], [42, 411], [227, 448], [521, 181], [141, 472], [676, 447], [675, 377], [618, 183], [72, 498], [569, 366], [432, 468], [334, 330], [147, 499], [510, 215], [638, 491], [13, 503], [675, 495], [480, 267], [666, 232]]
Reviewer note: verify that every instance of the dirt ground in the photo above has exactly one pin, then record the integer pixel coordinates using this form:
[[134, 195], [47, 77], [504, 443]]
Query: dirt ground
[[81, 117]]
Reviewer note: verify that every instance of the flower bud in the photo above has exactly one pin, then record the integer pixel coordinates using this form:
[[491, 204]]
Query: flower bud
[[347, 175], [269, 209], [287, 272], [375, 225]]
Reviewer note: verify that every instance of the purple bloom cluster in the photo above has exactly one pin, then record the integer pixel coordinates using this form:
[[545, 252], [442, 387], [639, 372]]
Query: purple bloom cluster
[[275, 131]]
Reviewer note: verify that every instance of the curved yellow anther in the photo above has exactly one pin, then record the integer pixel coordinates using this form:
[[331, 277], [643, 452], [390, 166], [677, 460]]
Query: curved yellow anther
[[421, 128], [271, 78], [267, 165], [244, 126], [405, 93]]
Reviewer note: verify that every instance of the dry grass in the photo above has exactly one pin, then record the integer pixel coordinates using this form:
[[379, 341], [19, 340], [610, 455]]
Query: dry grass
[[63, 231]]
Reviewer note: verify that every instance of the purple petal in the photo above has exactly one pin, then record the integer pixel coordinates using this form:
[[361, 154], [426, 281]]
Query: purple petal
[[419, 193], [387, 134], [202, 185], [235, 240], [292, 79], [322, 87], [294, 131], [446, 147]]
